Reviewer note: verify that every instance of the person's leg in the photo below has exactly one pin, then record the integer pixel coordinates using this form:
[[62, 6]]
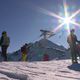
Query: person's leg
[[75, 57], [4, 52], [78, 53], [72, 55]]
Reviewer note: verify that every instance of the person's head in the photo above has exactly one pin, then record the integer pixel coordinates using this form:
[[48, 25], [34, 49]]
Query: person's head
[[4, 33], [72, 31], [26, 44]]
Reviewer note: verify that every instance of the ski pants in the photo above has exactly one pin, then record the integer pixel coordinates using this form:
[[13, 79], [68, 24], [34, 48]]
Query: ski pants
[[73, 53], [4, 52]]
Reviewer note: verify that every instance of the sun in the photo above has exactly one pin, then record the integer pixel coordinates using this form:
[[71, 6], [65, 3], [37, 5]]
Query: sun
[[65, 20]]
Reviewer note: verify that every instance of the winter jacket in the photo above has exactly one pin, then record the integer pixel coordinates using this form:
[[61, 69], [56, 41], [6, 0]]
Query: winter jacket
[[5, 41], [72, 39]]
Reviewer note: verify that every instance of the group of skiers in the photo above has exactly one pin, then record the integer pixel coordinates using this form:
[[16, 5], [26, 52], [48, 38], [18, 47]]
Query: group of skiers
[[71, 39], [4, 44]]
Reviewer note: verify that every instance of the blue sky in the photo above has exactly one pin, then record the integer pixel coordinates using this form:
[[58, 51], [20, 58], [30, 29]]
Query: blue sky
[[22, 20]]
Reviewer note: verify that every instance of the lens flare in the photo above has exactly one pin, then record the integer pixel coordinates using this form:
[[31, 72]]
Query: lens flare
[[66, 20]]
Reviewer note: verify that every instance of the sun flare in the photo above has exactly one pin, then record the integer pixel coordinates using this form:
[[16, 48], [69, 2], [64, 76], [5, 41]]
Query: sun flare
[[65, 20]]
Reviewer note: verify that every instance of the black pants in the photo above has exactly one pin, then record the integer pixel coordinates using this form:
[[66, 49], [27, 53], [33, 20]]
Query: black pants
[[73, 54], [4, 52]]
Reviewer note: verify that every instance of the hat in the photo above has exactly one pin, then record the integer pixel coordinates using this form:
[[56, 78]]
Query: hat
[[72, 30], [4, 32]]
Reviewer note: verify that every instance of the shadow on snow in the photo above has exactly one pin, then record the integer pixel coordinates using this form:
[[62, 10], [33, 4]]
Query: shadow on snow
[[75, 67]]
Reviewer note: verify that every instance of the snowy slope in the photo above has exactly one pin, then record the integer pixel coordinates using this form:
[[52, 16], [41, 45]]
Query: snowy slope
[[51, 70]]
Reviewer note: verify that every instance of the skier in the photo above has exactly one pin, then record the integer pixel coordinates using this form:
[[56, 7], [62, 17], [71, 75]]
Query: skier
[[24, 51], [72, 39], [4, 42]]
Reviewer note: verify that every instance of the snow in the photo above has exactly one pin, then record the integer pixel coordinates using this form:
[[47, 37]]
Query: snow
[[58, 68], [48, 70]]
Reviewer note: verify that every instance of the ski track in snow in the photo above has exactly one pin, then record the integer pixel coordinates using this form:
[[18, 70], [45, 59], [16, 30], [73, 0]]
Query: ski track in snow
[[49, 70]]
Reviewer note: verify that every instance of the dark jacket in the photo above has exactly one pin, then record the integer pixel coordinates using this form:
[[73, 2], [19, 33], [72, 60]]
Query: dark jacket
[[4, 41], [72, 39]]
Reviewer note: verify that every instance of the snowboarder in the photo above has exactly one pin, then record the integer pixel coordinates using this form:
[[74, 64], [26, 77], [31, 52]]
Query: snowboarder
[[4, 42], [24, 51], [72, 39]]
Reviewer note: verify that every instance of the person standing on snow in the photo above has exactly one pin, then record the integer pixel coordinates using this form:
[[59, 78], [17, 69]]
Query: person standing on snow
[[4, 42], [24, 51], [72, 39]]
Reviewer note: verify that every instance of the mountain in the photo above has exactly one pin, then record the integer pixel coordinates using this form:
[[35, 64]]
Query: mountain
[[39, 49]]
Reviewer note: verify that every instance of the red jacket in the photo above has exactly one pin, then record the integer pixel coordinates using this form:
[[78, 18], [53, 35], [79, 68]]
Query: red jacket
[[46, 57]]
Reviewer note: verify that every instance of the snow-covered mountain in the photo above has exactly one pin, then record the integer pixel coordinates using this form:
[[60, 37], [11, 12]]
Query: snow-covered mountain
[[44, 46], [41, 47]]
